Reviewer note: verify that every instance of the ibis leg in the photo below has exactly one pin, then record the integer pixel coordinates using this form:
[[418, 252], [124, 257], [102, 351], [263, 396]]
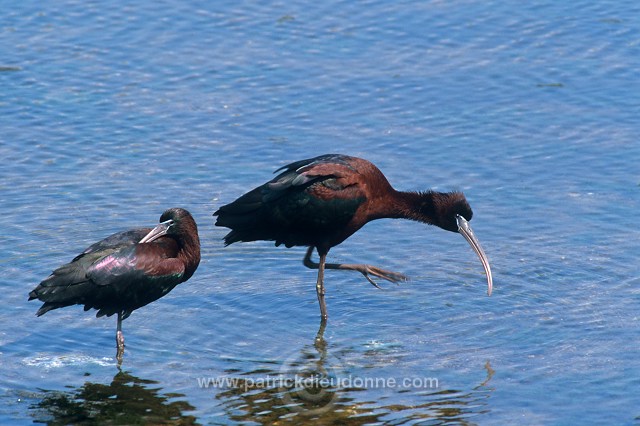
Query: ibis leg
[[119, 337], [319, 342], [320, 288], [366, 270]]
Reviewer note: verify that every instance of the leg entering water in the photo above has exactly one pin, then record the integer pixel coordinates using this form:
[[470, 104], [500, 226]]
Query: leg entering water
[[119, 338]]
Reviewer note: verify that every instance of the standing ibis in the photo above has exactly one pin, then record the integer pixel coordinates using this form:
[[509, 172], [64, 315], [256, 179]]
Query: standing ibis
[[126, 270], [321, 201]]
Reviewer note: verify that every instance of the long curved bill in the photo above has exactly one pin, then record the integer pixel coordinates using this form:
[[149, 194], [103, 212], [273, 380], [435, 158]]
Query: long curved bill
[[465, 229], [161, 229]]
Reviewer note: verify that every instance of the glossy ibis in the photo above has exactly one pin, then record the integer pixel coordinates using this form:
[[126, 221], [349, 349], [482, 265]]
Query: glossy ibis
[[321, 201], [126, 270]]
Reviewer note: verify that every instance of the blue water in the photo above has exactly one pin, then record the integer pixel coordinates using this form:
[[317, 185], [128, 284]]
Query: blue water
[[111, 112]]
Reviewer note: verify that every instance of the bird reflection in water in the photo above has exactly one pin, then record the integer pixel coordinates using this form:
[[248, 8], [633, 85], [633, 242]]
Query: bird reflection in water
[[337, 405], [126, 400]]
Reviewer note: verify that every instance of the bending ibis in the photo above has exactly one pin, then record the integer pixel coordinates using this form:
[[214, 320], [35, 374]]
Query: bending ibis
[[126, 270], [319, 202]]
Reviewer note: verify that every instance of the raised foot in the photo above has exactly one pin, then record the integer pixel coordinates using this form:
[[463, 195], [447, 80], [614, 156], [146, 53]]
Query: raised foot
[[368, 270]]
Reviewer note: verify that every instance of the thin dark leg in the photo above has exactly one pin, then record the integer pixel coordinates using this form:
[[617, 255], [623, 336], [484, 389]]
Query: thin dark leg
[[365, 270], [319, 342], [320, 288], [119, 337]]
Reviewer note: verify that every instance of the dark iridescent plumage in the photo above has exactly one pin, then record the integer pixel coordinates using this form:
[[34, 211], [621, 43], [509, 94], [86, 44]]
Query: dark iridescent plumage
[[120, 273], [319, 202]]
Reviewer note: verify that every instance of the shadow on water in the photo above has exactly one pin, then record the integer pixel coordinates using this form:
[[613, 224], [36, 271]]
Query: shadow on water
[[126, 400], [311, 387]]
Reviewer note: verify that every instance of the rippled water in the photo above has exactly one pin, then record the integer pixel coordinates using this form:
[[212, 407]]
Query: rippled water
[[111, 112]]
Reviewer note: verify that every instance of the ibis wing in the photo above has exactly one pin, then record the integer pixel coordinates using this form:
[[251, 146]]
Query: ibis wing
[[134, 276], [113, 279], [332, 172], [136, 263], [69, 284], [305, 203], [116, 241]]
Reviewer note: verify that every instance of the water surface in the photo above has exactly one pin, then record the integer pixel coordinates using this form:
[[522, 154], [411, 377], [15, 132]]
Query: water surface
[[111, 113]]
